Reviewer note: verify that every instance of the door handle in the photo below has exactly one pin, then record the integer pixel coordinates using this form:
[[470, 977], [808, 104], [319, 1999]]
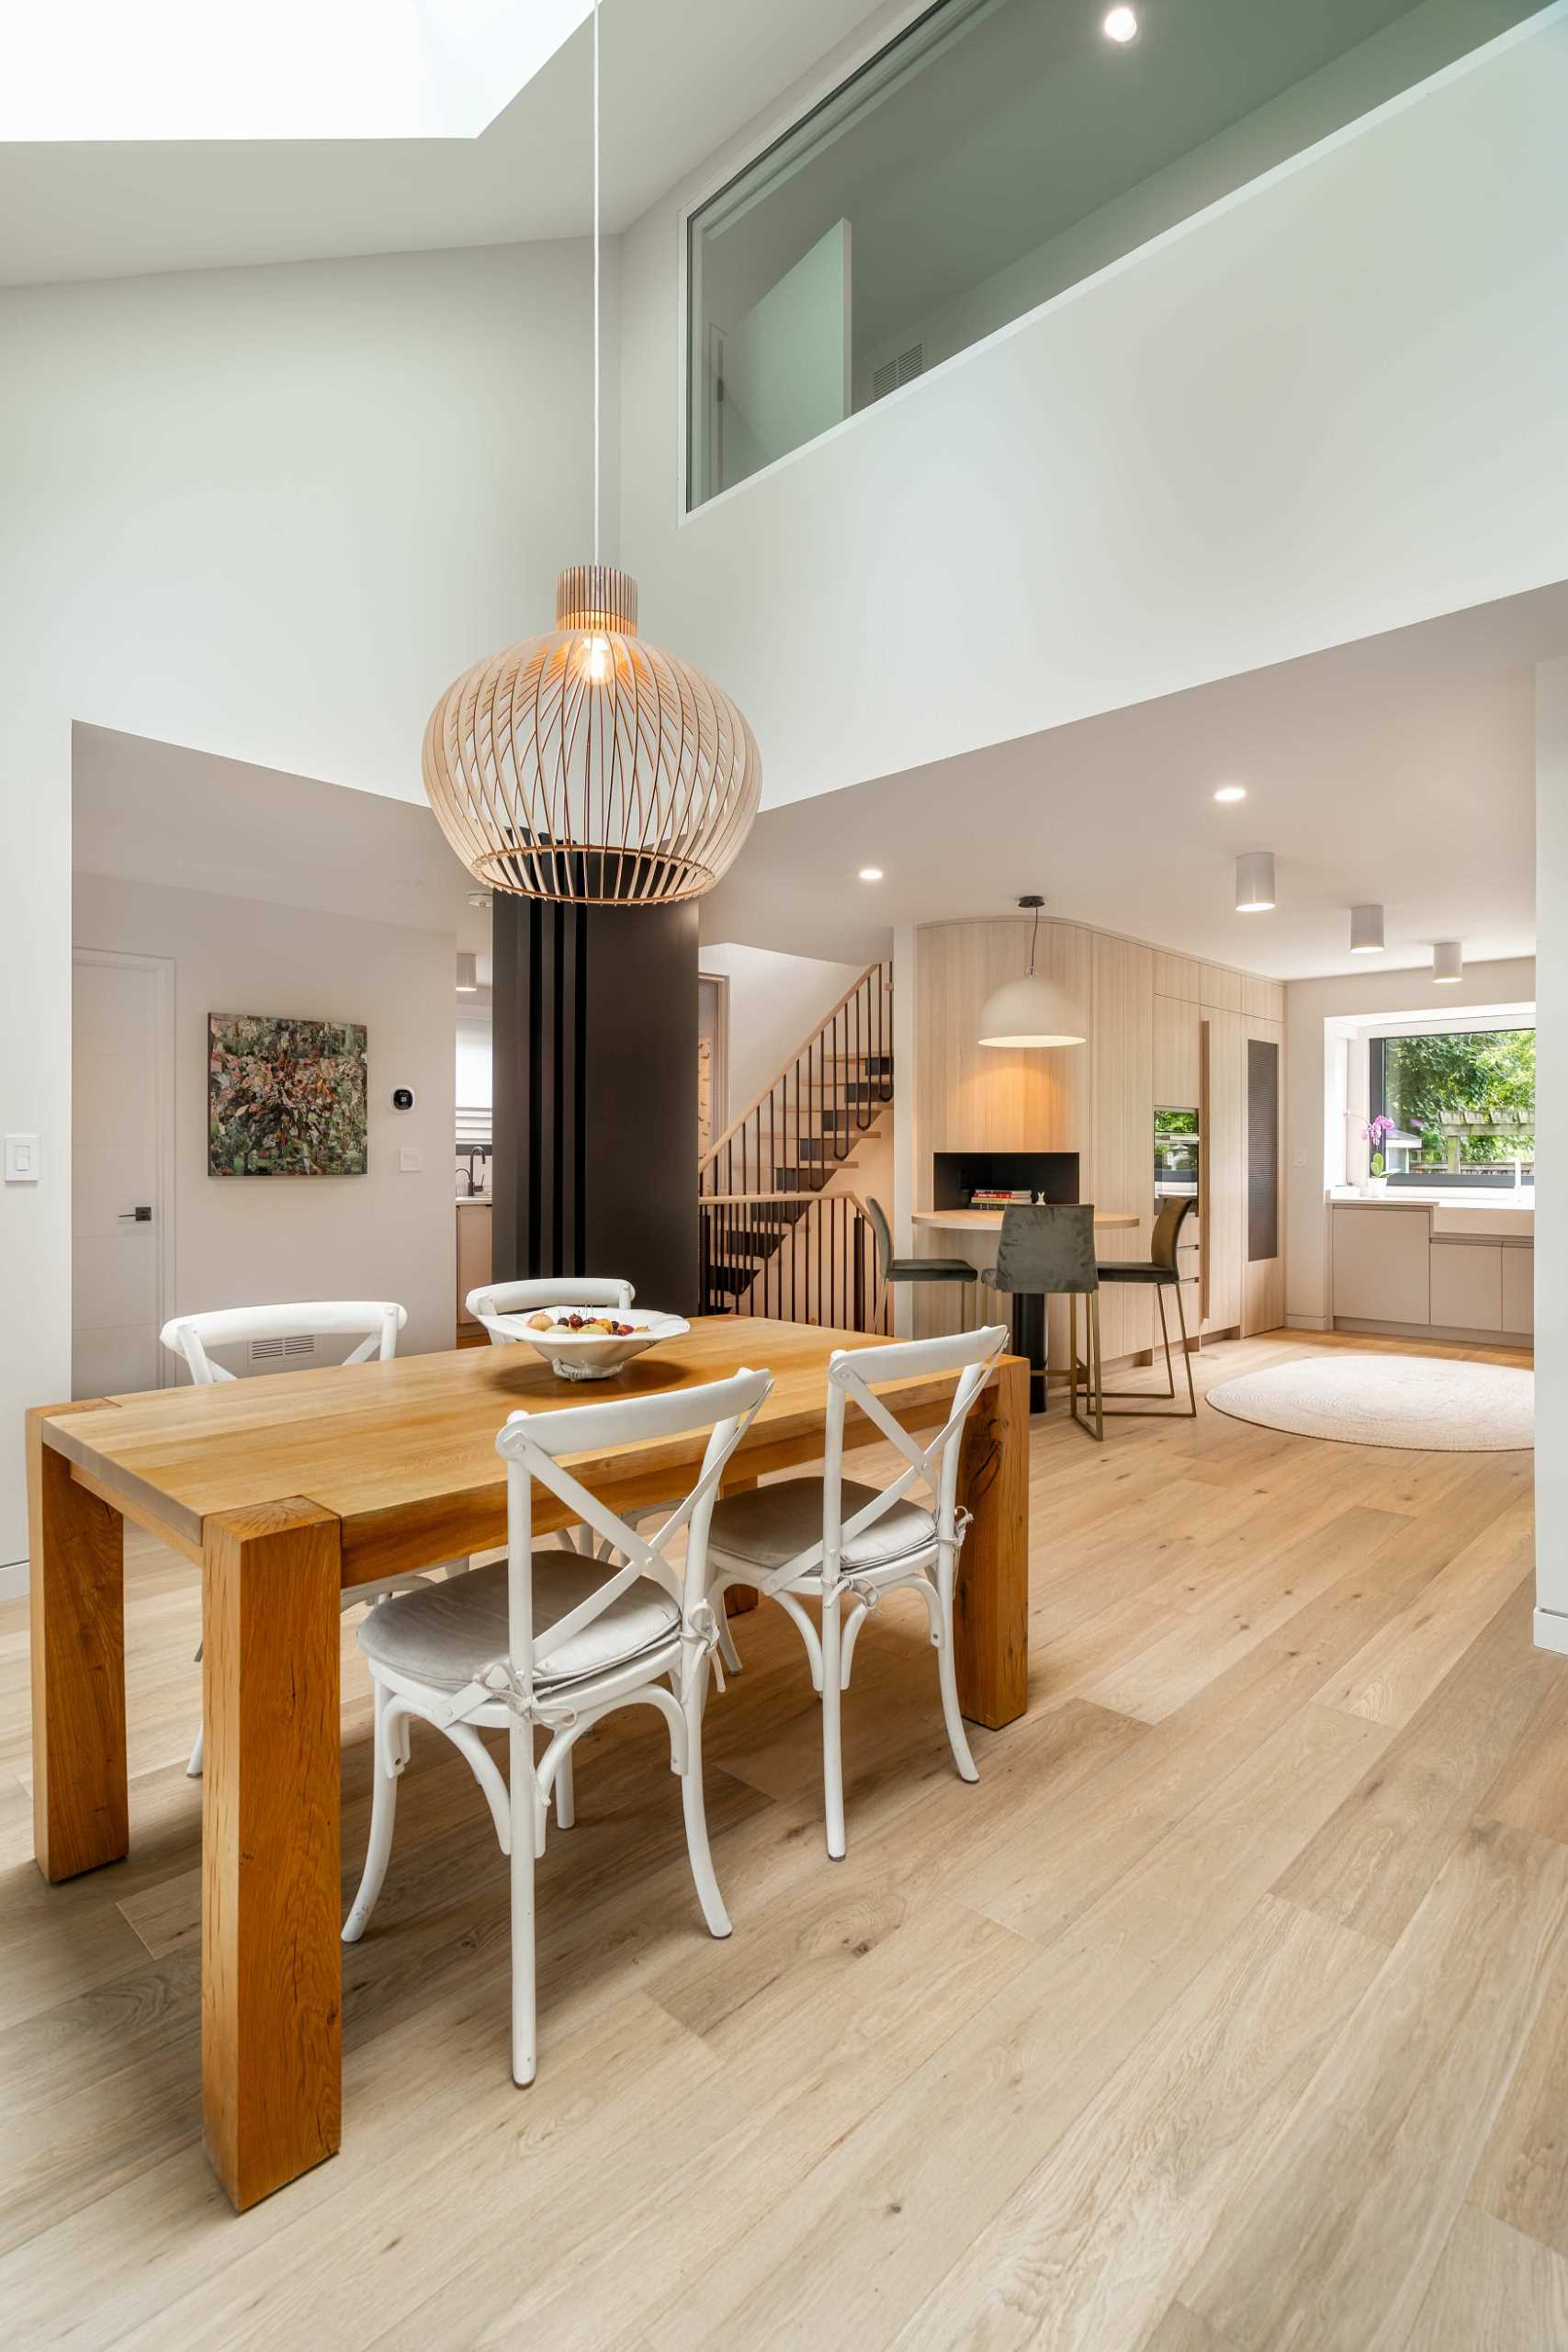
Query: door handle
[[136, 1216]]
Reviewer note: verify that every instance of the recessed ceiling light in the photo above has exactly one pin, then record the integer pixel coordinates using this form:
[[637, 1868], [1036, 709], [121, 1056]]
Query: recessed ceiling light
[[1122, 25], [871, 873], [1231, 792]]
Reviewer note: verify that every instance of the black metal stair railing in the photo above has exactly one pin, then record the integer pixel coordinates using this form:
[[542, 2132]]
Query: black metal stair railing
[[778, 1239]]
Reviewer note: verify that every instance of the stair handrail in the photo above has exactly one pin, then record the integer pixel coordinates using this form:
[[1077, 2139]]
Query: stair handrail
[[881, 967]]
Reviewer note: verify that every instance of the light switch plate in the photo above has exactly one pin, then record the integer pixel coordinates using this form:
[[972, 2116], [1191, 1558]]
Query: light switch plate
[[21, 1159], [409, 1163]]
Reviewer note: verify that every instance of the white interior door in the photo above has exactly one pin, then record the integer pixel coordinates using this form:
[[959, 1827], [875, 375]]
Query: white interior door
[[121, 1169]]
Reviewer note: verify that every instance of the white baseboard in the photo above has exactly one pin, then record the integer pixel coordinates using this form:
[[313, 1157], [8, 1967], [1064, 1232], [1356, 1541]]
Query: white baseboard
[[1552, 1631], [14, 1580]]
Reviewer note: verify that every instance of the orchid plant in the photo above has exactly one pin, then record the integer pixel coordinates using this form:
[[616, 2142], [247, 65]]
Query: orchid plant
[[1374, 1133]]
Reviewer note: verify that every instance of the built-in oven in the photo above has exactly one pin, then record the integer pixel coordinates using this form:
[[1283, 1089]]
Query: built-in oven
[[1176, 1146]]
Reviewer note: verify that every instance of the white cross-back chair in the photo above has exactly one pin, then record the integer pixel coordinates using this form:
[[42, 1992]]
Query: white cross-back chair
[[374, 1322], [845, 1544], [549, 1641], [492, 1299]]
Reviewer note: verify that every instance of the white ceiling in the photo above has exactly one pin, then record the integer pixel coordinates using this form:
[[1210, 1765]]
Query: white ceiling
[[679, 77], [1398, 771]]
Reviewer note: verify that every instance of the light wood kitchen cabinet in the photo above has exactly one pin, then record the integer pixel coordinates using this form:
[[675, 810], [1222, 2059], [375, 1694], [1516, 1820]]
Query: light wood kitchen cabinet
[[1222, 1166], [1176, 1030], [1467, 1285], [473, 1255], [1519, 1287], [1381, 1269]]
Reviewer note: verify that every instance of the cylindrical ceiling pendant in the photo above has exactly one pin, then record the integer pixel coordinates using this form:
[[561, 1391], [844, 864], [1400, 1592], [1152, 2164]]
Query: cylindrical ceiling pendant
[[1366, 931], [1448, 959], [1254, 882], [1031, 1011], [587, 766], [467, 973]]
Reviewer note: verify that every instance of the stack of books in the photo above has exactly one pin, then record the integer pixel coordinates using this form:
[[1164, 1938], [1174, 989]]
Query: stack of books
[[996, 1196]]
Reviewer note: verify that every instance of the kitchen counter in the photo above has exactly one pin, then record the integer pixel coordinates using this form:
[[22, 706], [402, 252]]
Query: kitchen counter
[[1504, 1216]]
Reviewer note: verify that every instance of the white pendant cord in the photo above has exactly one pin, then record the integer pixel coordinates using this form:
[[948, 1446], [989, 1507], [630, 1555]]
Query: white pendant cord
[[595, 280]]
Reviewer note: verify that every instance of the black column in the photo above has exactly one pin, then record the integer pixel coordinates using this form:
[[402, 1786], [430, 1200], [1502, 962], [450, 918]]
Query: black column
[[595, 1120]]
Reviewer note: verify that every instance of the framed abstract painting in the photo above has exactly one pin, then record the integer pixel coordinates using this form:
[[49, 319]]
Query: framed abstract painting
[[285, 1098]]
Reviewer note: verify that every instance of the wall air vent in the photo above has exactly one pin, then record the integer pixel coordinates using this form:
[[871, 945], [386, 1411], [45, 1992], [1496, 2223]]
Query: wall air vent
[[902, 370], [297, 1343]]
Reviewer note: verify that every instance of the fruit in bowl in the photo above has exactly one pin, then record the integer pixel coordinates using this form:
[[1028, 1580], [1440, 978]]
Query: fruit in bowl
[[582, 1342], [574, 1320]]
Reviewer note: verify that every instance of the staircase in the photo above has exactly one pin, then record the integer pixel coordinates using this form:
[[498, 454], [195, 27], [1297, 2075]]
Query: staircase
[[782, 1234]]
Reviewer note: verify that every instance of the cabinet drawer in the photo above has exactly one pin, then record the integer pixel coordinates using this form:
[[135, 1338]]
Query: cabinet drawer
[[1467, 1284]]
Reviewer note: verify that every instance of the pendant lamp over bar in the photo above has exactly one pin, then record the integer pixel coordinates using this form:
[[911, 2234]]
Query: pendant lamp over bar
[[1447, 960], [1029, 1012], [585, 766], [1366, 931], [1254, 882]]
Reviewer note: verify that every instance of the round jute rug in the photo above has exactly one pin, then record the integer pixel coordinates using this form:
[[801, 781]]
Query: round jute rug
[[1426, 1403]]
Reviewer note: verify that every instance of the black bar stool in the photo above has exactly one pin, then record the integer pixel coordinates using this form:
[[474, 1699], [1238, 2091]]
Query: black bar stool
[[890, 1269], [1162, 1272], [1047, 1251]]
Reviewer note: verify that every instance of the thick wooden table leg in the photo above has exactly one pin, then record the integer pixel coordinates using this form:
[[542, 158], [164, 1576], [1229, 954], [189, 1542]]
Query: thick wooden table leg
[[738, 1598], [992, 1601], [76, 1548], [271, 1960]]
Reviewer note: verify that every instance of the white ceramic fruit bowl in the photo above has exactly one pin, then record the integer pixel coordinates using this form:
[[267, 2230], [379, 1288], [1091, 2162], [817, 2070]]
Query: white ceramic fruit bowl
[[589, 1355]]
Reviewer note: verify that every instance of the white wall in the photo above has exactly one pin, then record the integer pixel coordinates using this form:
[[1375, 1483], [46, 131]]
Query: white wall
[[1551, 1149], [268, 512], [1327, 407], [242, 1242], [1314, 1139], [775, 1002]]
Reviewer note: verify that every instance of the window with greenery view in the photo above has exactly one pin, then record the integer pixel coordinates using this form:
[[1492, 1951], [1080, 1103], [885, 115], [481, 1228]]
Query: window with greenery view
[[1462, 1104]]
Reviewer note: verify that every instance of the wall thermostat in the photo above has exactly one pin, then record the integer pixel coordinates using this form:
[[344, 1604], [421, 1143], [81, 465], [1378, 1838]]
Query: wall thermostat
[[402, 1098]]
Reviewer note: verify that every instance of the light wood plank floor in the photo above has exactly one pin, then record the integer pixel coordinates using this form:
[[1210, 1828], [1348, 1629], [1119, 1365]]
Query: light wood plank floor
[[1228, 2013]]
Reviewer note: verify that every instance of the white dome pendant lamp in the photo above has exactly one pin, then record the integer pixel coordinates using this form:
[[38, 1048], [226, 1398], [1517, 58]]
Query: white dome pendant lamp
[[1031, 1011], [586, 765]]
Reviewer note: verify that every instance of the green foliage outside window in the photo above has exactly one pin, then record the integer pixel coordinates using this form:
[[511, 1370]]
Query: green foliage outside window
[[1429, 1083]]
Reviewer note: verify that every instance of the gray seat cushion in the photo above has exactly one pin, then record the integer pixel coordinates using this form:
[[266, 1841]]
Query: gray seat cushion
[[931, 1270], [762, 1529], [447, 1635], [1139, 1272]]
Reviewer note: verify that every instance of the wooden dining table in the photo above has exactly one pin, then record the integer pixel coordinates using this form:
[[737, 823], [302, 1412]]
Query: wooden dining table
[[285, 1489]]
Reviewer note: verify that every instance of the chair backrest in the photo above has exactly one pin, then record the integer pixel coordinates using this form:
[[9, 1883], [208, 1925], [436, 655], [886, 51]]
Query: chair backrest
[[853, 1374], [1048, 1249], [375, 1322], [533, 1446], [884, 1233], [515, 1298], [1167, 1230]]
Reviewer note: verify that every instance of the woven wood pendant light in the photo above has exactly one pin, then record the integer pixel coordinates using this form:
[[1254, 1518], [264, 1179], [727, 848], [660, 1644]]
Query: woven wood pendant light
[[587, 764]]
